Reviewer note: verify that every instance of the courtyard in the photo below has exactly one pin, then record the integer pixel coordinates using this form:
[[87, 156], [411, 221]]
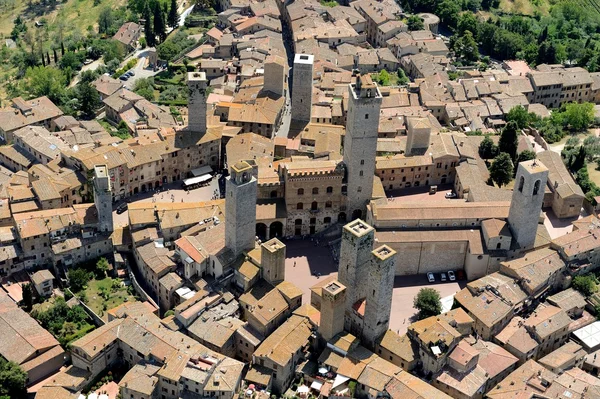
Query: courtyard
[[306, 264]]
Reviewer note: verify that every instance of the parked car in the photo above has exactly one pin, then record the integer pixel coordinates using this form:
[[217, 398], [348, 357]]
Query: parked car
[[121, 208], [451, 275], [443, 277], [450, 195], [431, 277], [124, 77], [131, 73]]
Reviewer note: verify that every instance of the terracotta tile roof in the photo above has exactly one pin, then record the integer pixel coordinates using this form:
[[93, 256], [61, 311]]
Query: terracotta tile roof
[[290, 337]]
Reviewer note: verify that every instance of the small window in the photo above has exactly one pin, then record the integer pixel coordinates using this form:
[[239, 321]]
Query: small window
[[366, 116], [299, 205], [329, 190], [328, 204], [536, 187], [362, 161], [300, 191], [521, 184], [315, 190]]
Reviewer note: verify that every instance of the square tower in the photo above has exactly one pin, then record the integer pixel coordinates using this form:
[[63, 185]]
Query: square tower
[[197, 85], [272, 261], [378, 300], [418, 132], [526, 203], [360, 143], [333, 308], [357, 243], [240, 208], [274, 74], [302, 87], [103, 198]]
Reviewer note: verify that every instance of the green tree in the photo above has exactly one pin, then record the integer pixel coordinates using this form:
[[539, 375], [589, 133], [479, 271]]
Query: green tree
[[145, 88], [448, 11], [383, 77], [501, 169], [586, 284], [402, 78], [428, 302], [45, 81], [415, 22], [520, 116], [27, 297], [78, 279], [70, 60], [173, 18], [465, 47], [487, 148], [578, 117], [467, 22], [88, 98], [159, 22], [526, 155], [148, 31], [577, 161], [168, 50], [105, 20], [12, 379], [509, 140]]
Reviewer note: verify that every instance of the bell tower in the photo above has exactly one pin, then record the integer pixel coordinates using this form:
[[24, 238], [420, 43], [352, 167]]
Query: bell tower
[[526, 203]]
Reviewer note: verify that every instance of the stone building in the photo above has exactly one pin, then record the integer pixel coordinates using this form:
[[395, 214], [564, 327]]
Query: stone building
[[240, 208], [369, 276], [302, 87], [526, 203], [360, 143], [333, 301], [275, 76], [197, 85], [103, 198]]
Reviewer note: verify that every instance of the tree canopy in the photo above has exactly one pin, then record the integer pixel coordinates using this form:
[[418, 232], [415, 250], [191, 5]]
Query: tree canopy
[[509, 140], [501, 169], [415, 22], [12, 380], [428, 302], [586, 284]]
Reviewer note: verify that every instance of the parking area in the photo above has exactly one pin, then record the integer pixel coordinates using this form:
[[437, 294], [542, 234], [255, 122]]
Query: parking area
[[171, 192], [418, 194], [306, 264]]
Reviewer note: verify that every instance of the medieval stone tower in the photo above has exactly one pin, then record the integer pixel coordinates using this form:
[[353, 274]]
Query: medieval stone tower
[[380, 287], [272, 260], [418, 132], [275, 67], [526, 203], [197, 85], [240, 208], [302, 87], [333, 308], [360, 143], [357, 244], [369, 279], [103, 198]]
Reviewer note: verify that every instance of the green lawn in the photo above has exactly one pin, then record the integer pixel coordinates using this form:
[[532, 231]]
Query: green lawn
[[116, 295], [526, 7]]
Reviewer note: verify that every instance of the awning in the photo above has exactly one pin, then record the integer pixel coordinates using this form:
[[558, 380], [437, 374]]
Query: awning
[[316, 385], [339, 380], [196, 180], [204, 170]]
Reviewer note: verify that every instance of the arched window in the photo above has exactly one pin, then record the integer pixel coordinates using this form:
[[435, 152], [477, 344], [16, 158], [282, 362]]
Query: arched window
[[359, 189], [360, 173], [327, 220], [498, 245], [536, 187], [329, 190], [328, 204], [300, 191], [299, 205], [315, 190], [274, 194], [521, 184], [314, 206], [298, 222]]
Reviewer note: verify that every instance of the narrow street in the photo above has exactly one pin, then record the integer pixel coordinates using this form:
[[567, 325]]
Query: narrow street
[[286, 118]]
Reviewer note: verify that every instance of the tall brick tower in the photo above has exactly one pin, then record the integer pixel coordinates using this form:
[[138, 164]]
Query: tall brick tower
[[272, 260], [333, 308], [103, 198], [302, 87], [197, 85], [378, 300], [355, 253], [240, 208], [360, 143], [526, 203]]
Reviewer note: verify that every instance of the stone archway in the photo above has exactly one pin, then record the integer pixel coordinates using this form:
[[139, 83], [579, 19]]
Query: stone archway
[[261, 231], [356, 214], [276, 230], [342, 217]]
